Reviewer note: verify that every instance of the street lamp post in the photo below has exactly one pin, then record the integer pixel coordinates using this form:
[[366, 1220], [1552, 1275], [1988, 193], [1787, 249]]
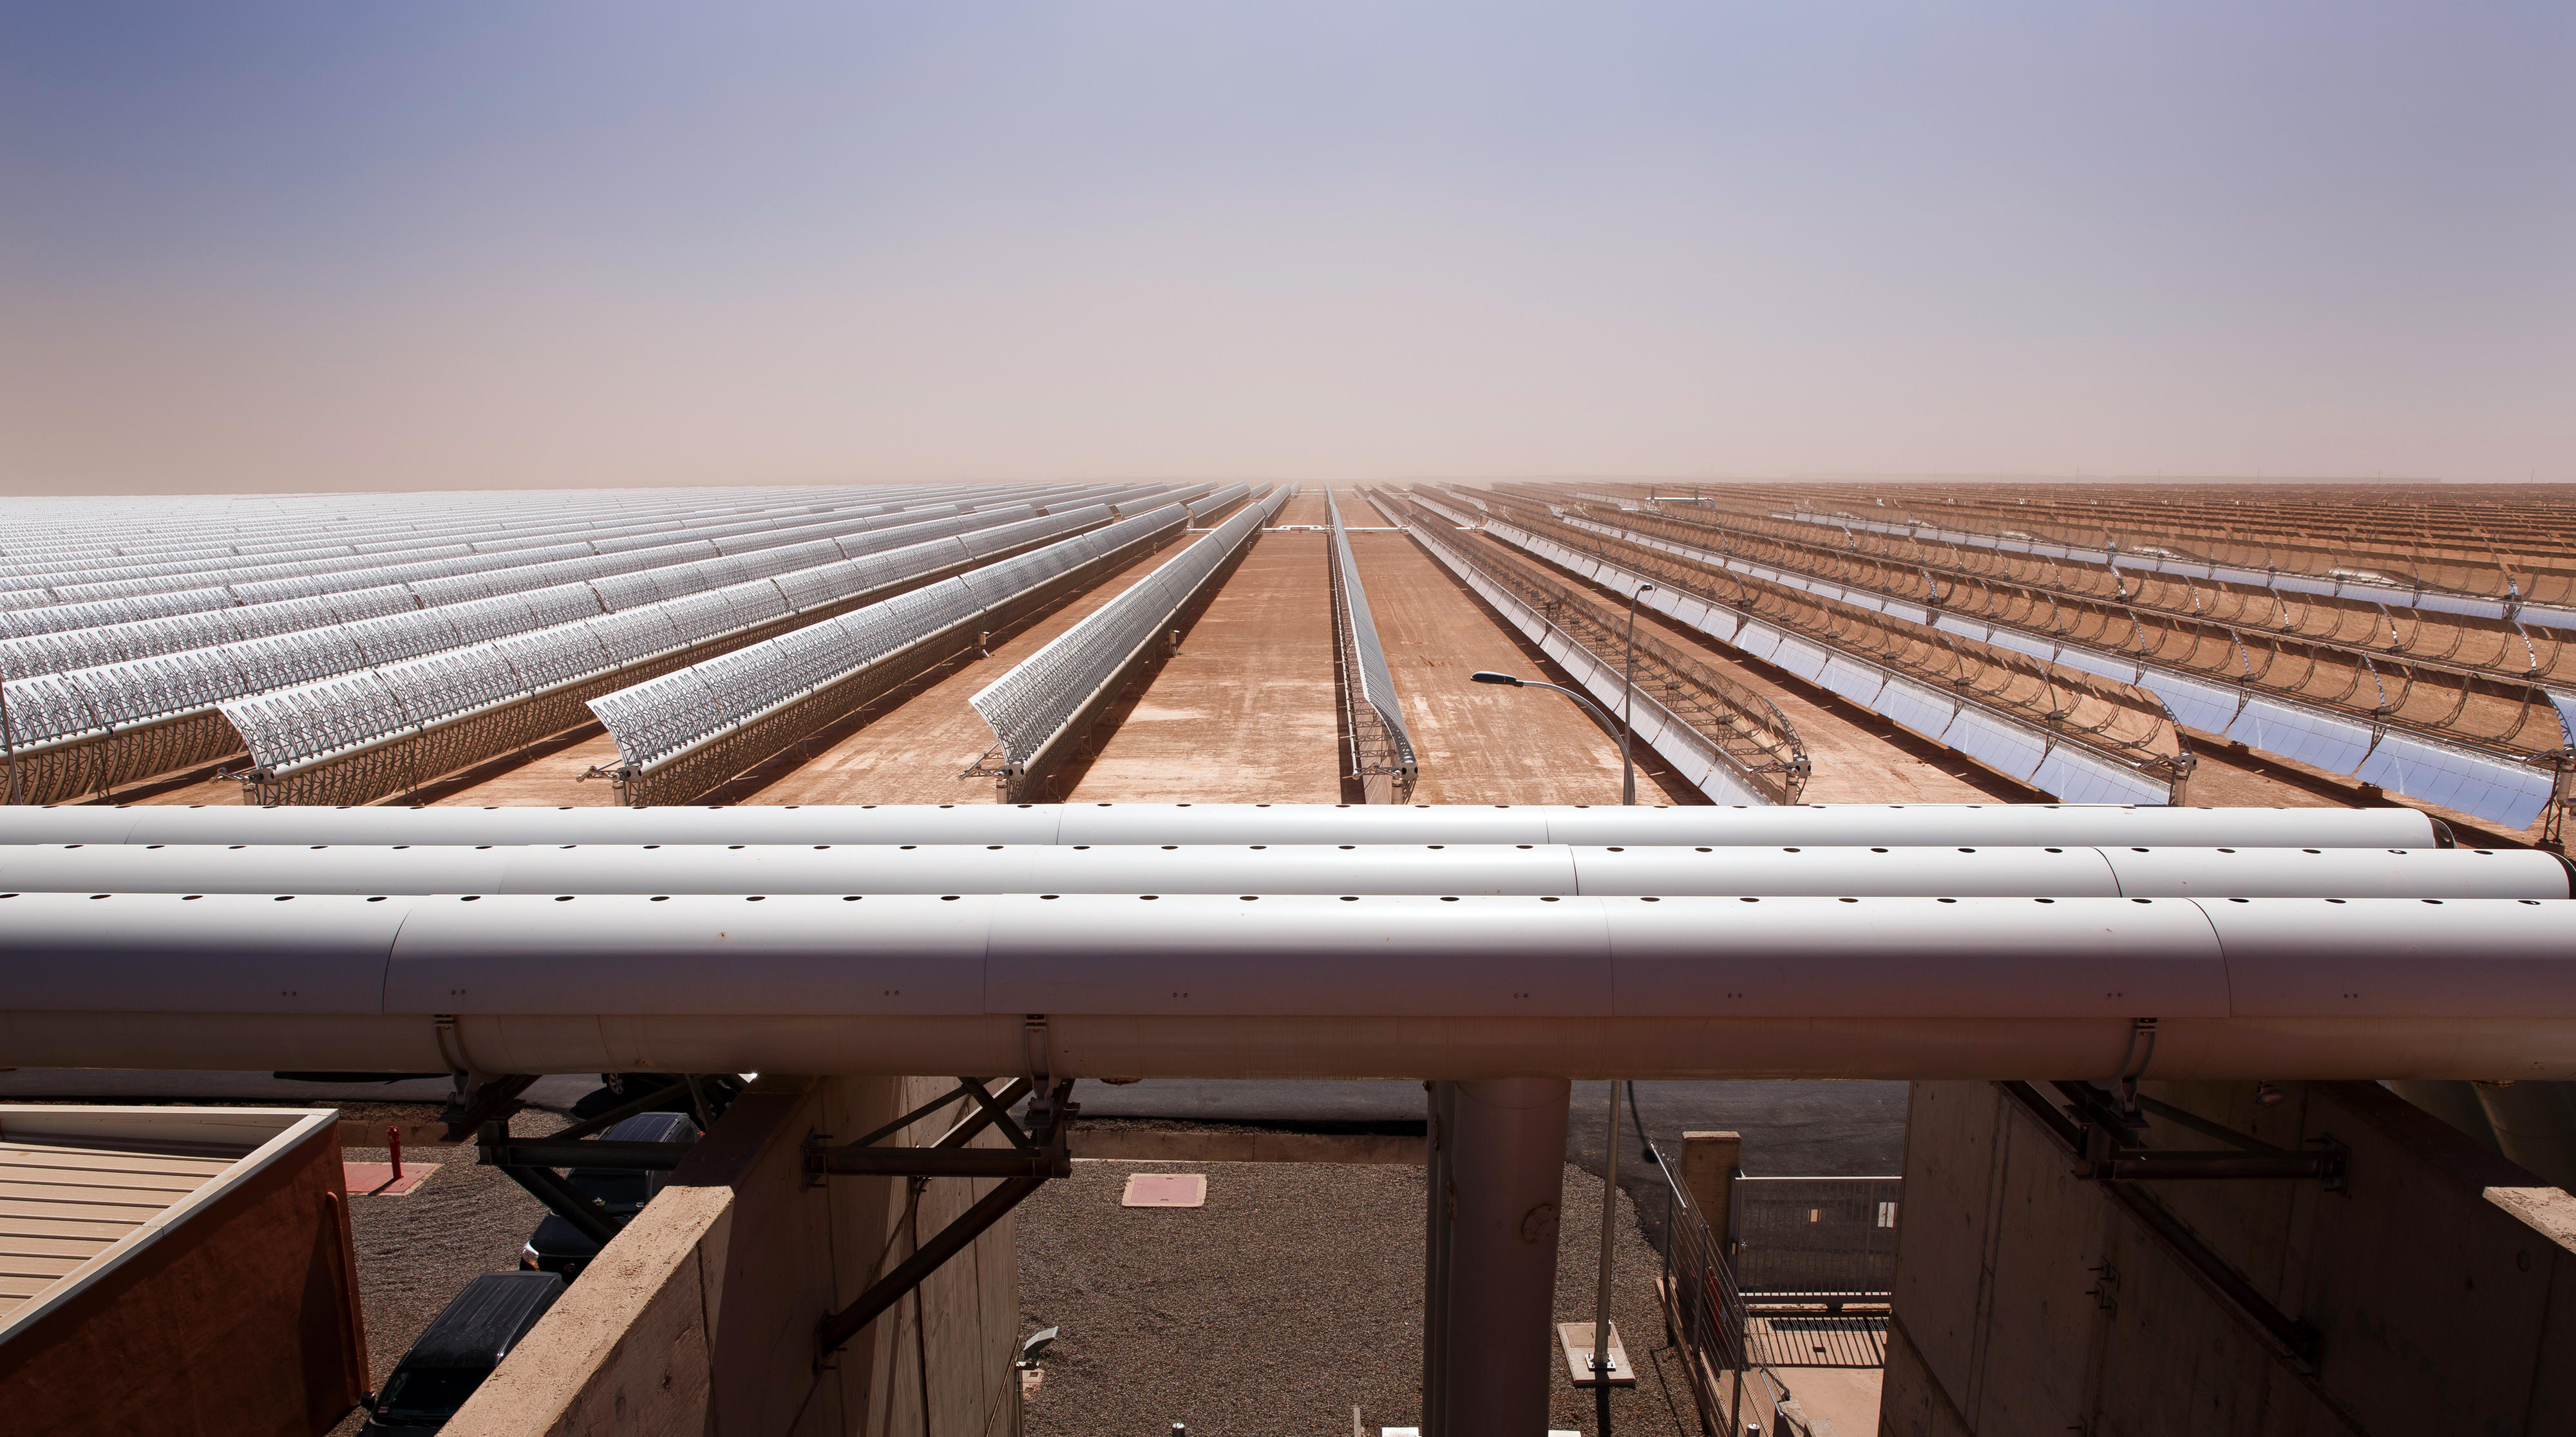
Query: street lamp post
[[1627, 727], [1628, 705], [1488, 676], [1601, 1363]]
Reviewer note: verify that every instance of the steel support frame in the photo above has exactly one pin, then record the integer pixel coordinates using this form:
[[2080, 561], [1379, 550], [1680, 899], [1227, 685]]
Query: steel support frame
[[2093, 1125], [2084, 1130], [486, 1108], [1041, 1155], [86, 766]]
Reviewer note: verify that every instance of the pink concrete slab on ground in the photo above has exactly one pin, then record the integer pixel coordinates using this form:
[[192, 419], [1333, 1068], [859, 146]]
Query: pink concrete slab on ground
[[378, 1180], [1165, 1190]]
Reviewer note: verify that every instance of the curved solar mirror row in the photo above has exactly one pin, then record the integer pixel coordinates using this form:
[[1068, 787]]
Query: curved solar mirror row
[[2374, 588], [1371, 681], [1029, 706], [65, 531], [2031, 753], [288, 726], [54, 706], [1694, 756], [479, 531], [1218, 500], [613, 577], [2417, 765], [661, 718], [266, 584]]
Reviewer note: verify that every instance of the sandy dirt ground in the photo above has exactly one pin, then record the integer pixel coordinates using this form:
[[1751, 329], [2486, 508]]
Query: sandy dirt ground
[[1476, 743], [913, 754], [1306, 508], [1245, 712], [551, 781]]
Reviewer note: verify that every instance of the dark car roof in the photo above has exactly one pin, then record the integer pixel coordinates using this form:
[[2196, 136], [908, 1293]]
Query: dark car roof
[[486, 1319], [653, 1128], [555, 1237]]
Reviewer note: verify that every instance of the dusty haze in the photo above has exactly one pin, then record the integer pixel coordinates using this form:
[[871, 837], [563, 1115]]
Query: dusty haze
[[305, 246]]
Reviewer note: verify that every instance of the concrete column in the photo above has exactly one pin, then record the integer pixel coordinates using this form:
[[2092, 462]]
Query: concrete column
[[1709, 1161], [701, 1316], [2454, 1102], [2535, 1125], [1497, 1174]]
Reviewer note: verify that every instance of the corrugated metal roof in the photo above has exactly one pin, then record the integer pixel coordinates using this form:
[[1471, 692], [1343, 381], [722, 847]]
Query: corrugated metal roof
[[83, 1188]]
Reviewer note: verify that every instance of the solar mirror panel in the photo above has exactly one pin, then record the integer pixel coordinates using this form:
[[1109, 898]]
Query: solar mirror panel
[[347, 710], [404, 636], [50, 706], [636, 633], [547, 657], [820, 584], [172, 683], [267, 726], [562, 603], [698, 617], [628, 591], [656, 716]]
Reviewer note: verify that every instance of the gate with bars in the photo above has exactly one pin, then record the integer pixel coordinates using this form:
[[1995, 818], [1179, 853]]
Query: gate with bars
[[1807, 1285]]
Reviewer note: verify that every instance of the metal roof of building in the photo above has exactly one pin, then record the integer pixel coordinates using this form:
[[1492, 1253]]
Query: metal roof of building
[[85, 1189]]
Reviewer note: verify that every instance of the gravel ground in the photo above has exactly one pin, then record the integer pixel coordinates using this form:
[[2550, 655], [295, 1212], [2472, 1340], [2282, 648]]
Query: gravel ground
[[418, 1251], [1294, 1295]]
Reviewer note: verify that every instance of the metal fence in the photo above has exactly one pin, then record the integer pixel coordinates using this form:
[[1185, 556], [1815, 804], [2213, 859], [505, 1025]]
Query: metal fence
[[1821, 1237], [1730, 1341]]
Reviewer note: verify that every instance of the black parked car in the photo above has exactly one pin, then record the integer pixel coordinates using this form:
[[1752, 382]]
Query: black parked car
[[559, 1247], [716, 1090], [459, 1350]]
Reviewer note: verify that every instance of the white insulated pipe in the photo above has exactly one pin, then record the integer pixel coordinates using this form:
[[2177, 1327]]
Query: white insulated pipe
[[1902, 825], [1216, 986], [1565, 870]]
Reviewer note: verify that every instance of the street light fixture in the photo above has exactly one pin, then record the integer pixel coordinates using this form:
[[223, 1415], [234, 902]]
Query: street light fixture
[[1625, 727], [1601, 1364], [1629, 782]]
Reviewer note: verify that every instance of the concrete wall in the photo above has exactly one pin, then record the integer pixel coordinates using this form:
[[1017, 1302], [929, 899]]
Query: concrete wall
[[2441, 1281], [700, 1317]]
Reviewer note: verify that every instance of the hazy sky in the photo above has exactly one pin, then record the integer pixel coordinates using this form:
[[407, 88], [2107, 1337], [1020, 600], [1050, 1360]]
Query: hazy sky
[[286, 245]]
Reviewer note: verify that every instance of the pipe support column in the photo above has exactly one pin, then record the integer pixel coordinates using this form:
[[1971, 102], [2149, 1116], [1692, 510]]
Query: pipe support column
[[1497, 1173]]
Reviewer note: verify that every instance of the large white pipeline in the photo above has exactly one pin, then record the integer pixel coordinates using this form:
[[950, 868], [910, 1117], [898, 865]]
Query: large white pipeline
[[1216, 986], [1376, 869], [1858, 825]]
